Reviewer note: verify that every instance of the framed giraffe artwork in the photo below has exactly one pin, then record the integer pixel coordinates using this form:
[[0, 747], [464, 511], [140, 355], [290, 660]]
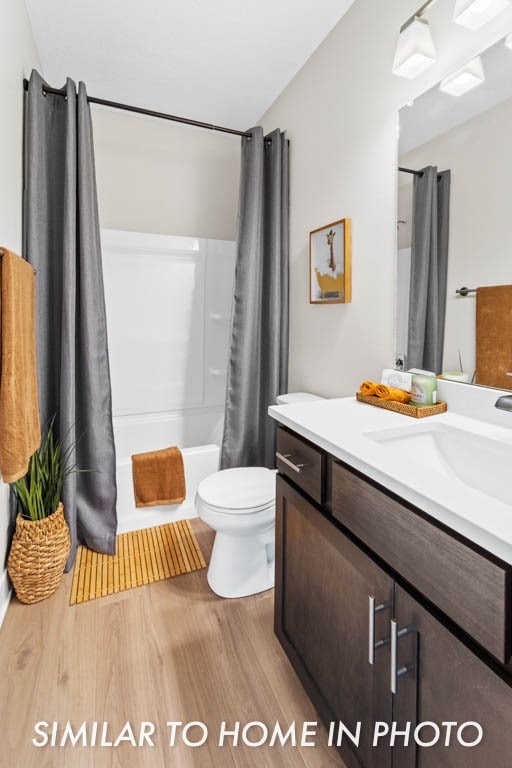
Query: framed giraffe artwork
[[330, 263]]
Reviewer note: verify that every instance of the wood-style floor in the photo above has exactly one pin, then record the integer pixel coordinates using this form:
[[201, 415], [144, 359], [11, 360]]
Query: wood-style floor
[[170, 651]]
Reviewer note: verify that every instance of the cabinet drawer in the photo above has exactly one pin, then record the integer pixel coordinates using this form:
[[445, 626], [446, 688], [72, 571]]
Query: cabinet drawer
[[469, 586], [301, 462]]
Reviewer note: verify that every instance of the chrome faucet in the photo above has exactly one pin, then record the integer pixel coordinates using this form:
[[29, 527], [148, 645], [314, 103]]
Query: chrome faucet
[[504, 403]]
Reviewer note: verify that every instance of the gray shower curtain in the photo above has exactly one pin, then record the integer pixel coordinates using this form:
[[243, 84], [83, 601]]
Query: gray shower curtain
[[258, 362], [62, 241], [429, 268]]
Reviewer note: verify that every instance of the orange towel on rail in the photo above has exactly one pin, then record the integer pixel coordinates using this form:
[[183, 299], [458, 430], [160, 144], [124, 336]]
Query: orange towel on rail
[[20, 431], [494, 336], [158, 477]]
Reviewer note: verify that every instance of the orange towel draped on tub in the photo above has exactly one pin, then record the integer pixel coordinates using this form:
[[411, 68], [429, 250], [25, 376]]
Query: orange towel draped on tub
[[158, 477], [20, 431]]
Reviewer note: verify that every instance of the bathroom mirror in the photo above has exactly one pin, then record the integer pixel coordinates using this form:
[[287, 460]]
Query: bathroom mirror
[[462, 125]]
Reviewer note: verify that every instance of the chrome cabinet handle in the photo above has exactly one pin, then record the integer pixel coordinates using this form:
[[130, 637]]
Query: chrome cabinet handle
[[286, 458], [372, 610], [396, 672]]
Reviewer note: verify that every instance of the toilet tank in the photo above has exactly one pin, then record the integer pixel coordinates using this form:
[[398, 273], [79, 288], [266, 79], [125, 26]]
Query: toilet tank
[[296, 397]]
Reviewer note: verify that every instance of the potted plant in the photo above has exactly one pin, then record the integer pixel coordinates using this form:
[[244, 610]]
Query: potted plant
[[41, 541]]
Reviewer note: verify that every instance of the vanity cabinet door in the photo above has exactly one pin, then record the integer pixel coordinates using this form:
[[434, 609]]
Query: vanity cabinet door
[[452, 684], [323, 586]]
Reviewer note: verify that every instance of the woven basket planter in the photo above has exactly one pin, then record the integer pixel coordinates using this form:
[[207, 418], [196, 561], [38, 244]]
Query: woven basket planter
[[39, 551]]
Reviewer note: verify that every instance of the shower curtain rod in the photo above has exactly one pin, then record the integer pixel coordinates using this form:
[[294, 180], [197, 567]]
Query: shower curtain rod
[[409, 170], [141, 111], [415, 173]]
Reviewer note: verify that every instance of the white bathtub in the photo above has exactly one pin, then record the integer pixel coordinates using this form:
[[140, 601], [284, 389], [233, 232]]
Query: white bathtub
[[199, 462], [152, 431], [187, 428]]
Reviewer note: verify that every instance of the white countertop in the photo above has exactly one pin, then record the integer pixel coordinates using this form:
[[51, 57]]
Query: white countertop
[[339, 427]]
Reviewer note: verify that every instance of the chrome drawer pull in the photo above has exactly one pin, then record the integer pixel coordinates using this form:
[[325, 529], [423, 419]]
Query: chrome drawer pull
[[372, 610], [286, 459], [396, 634]]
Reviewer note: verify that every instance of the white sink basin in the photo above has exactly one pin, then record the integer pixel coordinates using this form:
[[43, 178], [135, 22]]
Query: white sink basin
[[480, 462]]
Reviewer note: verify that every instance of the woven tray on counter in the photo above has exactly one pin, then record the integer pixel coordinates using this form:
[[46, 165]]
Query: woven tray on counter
[[416, 411]]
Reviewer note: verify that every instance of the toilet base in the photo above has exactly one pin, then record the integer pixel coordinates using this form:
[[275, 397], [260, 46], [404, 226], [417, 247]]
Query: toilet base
[[242, 565]]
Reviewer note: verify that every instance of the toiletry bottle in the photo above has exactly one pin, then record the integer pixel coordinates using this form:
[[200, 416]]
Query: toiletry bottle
[[423, 389]]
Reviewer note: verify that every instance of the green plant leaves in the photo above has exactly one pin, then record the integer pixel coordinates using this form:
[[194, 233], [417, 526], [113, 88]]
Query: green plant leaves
[[39, 492]]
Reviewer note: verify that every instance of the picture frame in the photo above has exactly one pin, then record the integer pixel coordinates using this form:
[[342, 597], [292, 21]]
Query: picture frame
[[330, 263]]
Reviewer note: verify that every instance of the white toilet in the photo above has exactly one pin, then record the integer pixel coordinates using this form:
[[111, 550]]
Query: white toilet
[[240, 505]]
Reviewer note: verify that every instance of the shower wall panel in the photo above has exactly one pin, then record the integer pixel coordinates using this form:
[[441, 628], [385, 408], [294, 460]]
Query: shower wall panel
[[168, 304]]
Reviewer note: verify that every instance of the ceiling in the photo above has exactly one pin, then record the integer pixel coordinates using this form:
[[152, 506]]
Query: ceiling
[[434, 112], [220, 61]]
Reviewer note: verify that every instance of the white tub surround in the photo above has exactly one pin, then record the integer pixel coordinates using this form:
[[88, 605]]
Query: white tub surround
[[344, 427], [143, 432], [168, 302], [168, 305]]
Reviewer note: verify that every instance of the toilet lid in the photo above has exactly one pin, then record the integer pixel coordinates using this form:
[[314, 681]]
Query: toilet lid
[[243, 489]]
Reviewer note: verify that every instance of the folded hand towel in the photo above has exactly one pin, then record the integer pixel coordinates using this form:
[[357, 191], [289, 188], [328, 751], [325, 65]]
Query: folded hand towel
[[158, 477], [391, 393], [20, 431], [368, 387]]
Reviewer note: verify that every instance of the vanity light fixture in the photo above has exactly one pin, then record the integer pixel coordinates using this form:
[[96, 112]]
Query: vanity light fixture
[[466, 78], [415, 50], [473, 14]]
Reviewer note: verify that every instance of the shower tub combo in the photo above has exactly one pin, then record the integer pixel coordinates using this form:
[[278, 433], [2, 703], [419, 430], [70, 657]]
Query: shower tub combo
[[168, 330]]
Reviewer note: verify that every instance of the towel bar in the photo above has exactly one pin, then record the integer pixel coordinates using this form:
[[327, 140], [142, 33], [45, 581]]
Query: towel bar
[[464, 291]]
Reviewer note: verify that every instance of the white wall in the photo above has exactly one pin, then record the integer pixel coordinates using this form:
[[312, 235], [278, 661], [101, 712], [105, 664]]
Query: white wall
[[161, 177], [19, 56], [479, 155], [340, 115]]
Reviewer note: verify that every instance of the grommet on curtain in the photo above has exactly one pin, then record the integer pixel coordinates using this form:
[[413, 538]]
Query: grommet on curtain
[[45, 93]]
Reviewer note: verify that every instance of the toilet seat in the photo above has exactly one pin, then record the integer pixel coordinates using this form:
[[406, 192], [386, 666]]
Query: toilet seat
[[205, 507], [239, 491]]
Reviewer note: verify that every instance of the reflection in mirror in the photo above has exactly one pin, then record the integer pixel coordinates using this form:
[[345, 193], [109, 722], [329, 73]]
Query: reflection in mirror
[[455, 225]]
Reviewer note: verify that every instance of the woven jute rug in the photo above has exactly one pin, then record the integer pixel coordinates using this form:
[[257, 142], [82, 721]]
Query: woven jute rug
[[142, 557]]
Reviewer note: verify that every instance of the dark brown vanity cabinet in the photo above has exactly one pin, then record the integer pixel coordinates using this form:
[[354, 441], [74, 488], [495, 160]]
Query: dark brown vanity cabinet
[[360, 579], [323, 585], [450, 684]]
